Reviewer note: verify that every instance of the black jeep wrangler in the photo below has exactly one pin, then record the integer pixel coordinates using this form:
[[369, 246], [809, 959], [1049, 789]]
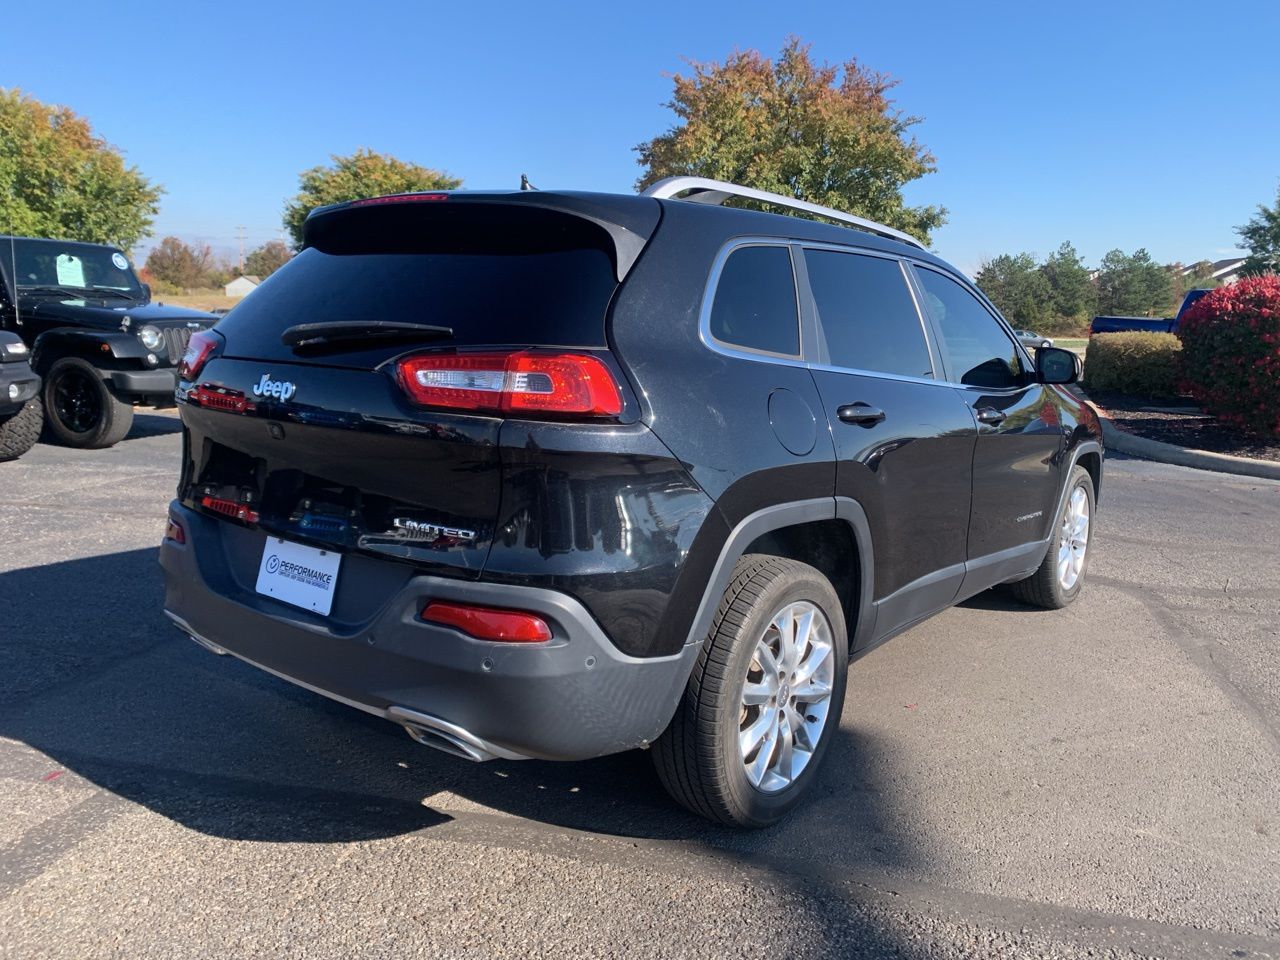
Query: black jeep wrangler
[[96, 338], [20, 413], [558, 475]]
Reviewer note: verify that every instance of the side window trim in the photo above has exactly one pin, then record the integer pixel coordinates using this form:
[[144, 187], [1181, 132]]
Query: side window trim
[[709, 296], [1000, 322]]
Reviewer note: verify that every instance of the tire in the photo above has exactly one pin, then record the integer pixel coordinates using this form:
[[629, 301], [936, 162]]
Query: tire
[[20, 432], [699, 758], [80, 409], [1047, 587]]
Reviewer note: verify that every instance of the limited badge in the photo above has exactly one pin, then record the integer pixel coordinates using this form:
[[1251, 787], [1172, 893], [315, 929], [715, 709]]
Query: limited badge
[[120, 262]]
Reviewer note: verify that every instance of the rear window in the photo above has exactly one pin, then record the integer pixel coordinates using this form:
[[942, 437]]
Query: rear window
[[515, 277], [755, 302]]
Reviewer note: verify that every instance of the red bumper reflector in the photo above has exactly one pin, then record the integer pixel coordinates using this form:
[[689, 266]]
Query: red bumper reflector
[[489, 623], [173, 531], [229, 508]]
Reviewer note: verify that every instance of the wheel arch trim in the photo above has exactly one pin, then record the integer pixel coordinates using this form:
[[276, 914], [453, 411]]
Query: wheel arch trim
[[779, 516]]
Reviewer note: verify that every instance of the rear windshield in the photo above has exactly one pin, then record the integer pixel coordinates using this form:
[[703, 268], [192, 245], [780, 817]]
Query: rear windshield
[[523, 278]]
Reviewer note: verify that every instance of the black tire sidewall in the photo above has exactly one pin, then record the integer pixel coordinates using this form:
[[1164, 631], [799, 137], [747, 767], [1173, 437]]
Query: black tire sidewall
[[107, 430], [755, 807]]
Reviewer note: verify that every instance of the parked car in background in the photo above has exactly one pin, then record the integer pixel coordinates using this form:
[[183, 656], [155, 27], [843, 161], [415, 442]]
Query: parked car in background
[[20, 413], [1146, 324], [99, 343], [558, 475], [1032, 340]]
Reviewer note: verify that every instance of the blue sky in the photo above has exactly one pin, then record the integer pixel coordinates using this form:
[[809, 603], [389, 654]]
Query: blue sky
[[1111, 124]]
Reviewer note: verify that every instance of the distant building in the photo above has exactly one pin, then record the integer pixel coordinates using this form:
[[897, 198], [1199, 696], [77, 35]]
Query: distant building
[[241, 286], [1224, 271]]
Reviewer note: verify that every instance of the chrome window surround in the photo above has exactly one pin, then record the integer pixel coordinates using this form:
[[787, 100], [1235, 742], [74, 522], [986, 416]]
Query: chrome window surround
[[809, 348], [708, 302]]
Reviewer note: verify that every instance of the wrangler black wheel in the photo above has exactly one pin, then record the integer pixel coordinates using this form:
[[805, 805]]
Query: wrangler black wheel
[[80, 409]]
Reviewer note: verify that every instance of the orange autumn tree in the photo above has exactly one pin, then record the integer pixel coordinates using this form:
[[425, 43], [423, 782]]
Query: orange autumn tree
[[826, 134]]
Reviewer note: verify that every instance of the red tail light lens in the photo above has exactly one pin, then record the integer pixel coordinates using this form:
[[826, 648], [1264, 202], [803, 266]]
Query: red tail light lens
[[229, 508], [518, 382], [199, 349], [489, 623]]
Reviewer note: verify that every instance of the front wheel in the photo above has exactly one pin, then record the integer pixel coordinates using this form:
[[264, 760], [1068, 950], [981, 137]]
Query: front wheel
[[80, 409], [764, 699], [1060, 577]]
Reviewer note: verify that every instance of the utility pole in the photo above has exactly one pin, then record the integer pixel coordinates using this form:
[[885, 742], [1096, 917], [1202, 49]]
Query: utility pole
[[240, 236]]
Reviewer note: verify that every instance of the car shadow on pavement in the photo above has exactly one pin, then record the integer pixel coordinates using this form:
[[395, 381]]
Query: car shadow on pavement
[[99, 682]]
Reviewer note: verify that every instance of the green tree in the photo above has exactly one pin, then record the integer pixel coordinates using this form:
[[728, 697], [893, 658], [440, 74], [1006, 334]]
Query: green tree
[[58, 179], [267, 259], [816, 132], [1261, 235], [1133, 285], [1071, 290], [180, 265], [362, 174], [1017, 287]]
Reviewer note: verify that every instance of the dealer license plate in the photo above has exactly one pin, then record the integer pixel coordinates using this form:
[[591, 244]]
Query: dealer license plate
[[300, 575]]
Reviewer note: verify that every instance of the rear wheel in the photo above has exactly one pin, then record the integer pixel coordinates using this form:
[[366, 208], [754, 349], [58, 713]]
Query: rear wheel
[[20, 432], [1061, 576], [80, 409], [758, 714]]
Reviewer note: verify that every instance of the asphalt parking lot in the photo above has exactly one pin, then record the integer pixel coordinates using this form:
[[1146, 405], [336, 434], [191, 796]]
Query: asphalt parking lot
[[1007, 782]]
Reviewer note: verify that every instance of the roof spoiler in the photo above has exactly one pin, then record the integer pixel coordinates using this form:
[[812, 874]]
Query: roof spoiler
[[628, 221]]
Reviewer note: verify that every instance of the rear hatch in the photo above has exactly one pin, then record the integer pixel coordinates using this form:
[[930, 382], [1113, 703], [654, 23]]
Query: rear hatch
[[320, 441]]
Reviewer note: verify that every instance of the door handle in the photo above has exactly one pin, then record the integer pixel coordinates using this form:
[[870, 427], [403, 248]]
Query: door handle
[[991, 416], [863, 414]]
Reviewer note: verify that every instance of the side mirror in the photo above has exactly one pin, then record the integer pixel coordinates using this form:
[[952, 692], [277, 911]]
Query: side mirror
[[146, 290], [1056, 365]]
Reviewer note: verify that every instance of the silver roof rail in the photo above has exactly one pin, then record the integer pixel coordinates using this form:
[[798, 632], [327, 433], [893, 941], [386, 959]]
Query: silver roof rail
[[704, 190]]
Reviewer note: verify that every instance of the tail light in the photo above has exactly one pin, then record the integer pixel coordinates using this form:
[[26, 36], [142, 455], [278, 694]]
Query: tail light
[[199, 349], [513, 382], [489, 623], [229, 508]]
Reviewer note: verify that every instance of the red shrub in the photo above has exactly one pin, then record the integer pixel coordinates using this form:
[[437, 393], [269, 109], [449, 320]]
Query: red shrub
[[1231, 353]]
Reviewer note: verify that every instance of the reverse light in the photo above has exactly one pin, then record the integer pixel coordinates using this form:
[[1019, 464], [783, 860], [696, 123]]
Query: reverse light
[[199, 349], [489, 623], [513, 382]]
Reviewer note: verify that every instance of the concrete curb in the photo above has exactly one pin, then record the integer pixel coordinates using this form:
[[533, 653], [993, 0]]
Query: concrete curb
[[1123, 442]]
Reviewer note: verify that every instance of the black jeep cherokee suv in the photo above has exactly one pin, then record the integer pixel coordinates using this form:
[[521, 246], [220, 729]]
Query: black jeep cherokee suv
[[563, 474], [96, 338]]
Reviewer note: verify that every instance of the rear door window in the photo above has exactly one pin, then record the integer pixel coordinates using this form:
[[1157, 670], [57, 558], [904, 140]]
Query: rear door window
[[977, 351], [868, 316], [755, 302]]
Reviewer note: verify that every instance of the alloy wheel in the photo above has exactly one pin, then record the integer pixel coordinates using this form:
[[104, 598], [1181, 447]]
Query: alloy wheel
[[786, 696]]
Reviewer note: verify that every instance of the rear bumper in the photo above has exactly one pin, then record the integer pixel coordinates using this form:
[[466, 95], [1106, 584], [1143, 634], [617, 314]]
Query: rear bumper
[[572, 698], [143, 383]]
